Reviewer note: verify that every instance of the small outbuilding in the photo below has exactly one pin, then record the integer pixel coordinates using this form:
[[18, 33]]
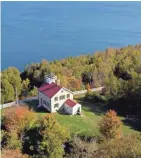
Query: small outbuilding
[[71, 107]]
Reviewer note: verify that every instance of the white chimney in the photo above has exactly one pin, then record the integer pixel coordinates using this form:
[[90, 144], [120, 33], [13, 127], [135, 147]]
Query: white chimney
[[50, 78], [58, 82]]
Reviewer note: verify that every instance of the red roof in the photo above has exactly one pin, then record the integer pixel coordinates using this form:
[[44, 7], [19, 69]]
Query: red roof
[[49, 89], [70, 103]]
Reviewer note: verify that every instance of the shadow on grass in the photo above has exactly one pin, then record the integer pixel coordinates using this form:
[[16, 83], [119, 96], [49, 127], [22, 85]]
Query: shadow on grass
[[89, 106], [33, 105], [125, 108], [62, 112], [134, 124]]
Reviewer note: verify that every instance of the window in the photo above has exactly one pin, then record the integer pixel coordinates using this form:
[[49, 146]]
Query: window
[[56, 105], [44, 102], [47, 104], [56, 99], [62, 97], [41, 101], [68, 95]]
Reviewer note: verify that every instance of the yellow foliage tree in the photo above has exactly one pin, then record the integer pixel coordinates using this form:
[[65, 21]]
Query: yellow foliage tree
[[110, 125]]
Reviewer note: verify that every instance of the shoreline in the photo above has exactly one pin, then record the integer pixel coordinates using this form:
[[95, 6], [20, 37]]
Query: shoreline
[[83, 54]]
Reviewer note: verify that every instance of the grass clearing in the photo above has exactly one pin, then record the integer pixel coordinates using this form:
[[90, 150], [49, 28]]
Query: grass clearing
[[86, 124]]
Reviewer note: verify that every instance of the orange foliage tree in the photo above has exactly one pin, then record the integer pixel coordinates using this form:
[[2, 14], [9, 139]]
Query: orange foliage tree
[[78, 84], [88, 88], [110, 125], [16, 118]]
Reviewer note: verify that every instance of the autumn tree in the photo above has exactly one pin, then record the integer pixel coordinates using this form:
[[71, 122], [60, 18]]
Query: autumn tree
[[110, 125], [15, 120], [45, 138], [78, 84], [88, 88]]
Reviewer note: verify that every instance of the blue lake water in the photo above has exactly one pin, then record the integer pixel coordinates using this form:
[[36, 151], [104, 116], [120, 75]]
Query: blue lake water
[[32, 31]]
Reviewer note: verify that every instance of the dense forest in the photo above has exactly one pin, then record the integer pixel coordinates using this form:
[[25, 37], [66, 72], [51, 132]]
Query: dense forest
[[119, 70]]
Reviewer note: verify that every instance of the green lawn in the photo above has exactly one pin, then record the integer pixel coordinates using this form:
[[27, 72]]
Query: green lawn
[[86, 124]]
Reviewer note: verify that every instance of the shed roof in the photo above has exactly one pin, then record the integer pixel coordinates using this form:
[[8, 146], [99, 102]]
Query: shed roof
[[70, 102]]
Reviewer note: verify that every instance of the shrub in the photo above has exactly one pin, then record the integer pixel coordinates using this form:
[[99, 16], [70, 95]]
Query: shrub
[[14, 141], [95, 97], [128, 146], [33, 92], [82, 148], [4, 138], [125, 147]]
